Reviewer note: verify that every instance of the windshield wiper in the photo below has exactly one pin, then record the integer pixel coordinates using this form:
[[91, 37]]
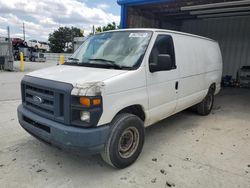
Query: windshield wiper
[[108, 61], [73, 59], [99, 59]]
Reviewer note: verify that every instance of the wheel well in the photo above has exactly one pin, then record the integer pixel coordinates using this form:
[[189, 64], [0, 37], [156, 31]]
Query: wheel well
[[212, 87], [134, 109]]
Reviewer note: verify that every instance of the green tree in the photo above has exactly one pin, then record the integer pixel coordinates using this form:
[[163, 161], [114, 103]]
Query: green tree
[[99, 29], [62, 39], [108, 27]]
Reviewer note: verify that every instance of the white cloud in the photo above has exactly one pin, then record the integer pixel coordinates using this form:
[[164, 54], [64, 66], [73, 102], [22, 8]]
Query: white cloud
[[31, 27], [3, 32], [103, 6], [19, 35], [3, 20], [44, 16]]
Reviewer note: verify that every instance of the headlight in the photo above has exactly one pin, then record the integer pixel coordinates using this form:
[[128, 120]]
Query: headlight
[[86, 110], [85, 116]]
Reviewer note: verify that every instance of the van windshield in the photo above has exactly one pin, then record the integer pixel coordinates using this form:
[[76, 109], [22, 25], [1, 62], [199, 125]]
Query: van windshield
[[118, 50]]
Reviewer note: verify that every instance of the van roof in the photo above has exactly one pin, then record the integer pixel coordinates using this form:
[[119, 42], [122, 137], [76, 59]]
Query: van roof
[[164, 30]]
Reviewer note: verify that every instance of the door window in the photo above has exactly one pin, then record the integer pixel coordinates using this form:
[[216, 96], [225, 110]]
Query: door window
[[163, 46]]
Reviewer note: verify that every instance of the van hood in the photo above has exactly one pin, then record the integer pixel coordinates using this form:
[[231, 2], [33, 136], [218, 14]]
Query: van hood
[[76, 75]]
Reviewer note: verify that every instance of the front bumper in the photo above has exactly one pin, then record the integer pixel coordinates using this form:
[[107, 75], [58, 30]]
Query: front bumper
[[88, 140]]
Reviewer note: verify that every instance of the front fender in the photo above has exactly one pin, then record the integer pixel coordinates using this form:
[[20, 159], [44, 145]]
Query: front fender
[[114, 103]]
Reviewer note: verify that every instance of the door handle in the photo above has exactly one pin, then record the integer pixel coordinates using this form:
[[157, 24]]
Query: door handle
[[176, 85]]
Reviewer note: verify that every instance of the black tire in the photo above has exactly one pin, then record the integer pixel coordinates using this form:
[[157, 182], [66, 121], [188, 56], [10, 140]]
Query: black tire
[[205, 107], [124, 126]]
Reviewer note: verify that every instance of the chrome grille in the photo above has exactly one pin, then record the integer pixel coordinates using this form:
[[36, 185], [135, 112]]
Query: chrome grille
[[46, 106], [47, 98]]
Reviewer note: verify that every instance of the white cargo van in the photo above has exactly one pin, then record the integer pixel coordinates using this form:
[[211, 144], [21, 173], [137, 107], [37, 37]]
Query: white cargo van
[[116, 84]]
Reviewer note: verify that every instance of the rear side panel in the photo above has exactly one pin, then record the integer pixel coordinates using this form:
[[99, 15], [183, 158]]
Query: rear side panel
[[200, 65]]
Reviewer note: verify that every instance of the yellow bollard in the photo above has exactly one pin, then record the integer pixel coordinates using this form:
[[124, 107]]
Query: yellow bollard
[[61, 59], [21, 62]]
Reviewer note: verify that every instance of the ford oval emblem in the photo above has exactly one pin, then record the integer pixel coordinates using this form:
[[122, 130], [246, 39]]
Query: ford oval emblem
[[37, 100]]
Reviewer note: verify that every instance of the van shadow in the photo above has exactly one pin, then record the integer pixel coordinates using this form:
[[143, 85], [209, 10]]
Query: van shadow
[[167, 130]]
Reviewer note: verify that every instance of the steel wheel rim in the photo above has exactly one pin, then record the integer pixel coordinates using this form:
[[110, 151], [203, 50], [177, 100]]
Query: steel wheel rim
[[128, 142]]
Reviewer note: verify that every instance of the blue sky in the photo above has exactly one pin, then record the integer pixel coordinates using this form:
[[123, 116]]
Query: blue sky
[[42, 17]]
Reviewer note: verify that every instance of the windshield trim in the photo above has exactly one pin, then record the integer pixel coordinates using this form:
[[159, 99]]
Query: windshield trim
[[136, 65]]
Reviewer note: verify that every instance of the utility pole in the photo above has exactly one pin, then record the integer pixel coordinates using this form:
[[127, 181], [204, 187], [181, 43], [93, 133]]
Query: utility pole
[[9, 64], [23, 32], [93, 30], [9, 44]]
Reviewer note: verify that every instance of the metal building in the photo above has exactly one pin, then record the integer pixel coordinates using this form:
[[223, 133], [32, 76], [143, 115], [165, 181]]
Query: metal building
[[226, 21], [78, 41], [6, 56]]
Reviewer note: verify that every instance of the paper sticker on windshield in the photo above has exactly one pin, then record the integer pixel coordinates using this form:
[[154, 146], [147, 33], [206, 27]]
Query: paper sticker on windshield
[[138, 35]]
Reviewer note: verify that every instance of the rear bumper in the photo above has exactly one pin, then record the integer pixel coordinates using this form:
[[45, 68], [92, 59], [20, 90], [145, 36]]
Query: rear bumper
[[87, 140], [39, 59]]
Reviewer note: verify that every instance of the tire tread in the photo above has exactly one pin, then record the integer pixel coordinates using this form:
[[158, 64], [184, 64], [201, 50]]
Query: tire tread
[[105, 154]]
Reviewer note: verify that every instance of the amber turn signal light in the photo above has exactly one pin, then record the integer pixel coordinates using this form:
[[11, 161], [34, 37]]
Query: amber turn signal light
[[85, 101], [96, 102]]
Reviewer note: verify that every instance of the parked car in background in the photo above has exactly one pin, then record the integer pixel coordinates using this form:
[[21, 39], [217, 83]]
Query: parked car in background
[[24, 50], [45, 46], [37, 57], [16, 42], [38, 45], [33, 43]]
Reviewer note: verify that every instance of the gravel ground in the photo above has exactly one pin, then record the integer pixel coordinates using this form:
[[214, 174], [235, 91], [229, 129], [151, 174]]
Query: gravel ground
[[185, 150]]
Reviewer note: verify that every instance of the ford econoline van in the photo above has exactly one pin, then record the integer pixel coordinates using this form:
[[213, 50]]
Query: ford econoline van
[[115, 85]]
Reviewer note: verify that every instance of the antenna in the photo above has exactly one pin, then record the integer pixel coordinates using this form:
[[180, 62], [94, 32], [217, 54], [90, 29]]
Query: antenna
[[9, 45]]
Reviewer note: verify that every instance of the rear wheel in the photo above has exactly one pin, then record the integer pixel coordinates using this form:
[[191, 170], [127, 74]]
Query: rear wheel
[[205, 107], [125, 142]]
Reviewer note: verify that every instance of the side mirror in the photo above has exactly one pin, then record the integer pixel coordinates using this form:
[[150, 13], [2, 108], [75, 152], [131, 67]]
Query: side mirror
[[164, 63]]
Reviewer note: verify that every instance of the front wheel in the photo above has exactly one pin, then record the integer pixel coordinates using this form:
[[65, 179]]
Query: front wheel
[[126, 140], [205, 107]]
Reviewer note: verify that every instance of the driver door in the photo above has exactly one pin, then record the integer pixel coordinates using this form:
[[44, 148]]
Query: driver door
[[162, 86]]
